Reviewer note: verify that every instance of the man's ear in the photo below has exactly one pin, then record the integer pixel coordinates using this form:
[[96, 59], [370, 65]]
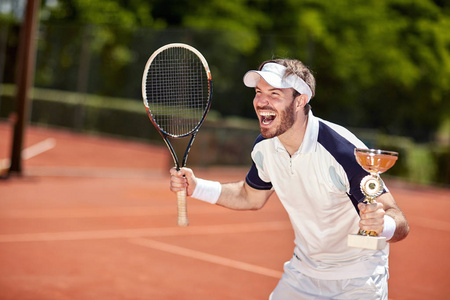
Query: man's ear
[[301, 101]]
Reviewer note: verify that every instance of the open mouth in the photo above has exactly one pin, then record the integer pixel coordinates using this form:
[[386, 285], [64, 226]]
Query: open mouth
[[267, 117]]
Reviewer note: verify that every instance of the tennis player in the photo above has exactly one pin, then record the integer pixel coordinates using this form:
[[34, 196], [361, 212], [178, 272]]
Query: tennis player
[[310, 164]]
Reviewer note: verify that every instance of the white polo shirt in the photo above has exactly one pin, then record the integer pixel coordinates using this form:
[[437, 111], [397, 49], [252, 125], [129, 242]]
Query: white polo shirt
[[319, 186]]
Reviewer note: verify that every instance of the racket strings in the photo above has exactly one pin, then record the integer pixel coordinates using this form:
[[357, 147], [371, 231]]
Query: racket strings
[[177, 88]]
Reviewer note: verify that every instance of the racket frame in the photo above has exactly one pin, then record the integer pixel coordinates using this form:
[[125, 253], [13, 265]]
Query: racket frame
[[181, 196]]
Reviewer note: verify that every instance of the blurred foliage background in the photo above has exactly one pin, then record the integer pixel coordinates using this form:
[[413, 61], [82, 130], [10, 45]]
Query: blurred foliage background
[[382, 67]]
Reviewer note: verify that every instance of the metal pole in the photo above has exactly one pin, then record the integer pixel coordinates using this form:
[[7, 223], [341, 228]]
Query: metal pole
[[24, 80]]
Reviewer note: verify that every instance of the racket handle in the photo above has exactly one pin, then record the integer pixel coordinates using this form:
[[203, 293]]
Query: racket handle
[[182, 209]]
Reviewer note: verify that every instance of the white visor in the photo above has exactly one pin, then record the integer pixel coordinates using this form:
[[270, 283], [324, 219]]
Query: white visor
[[273, 74]]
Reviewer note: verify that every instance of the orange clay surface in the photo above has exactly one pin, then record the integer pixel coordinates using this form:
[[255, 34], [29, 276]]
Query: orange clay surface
[[93, 218]]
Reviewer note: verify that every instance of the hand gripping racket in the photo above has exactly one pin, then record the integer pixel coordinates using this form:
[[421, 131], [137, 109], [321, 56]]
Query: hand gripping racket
[[177, 91]]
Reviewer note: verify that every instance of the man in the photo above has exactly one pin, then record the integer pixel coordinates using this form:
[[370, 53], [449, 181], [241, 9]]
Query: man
[[310, 164]]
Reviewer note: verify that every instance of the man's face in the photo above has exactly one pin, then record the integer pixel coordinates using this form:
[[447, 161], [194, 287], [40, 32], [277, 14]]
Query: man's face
[[275, 109]]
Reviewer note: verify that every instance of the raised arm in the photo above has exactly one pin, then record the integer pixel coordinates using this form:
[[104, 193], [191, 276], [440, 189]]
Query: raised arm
[[237, 195]]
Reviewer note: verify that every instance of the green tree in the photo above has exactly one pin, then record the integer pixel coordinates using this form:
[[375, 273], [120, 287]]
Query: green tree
[[232, 35], [85, 28], [379, 64], [382, 64]]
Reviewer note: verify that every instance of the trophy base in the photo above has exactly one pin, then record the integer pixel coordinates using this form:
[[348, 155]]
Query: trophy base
[[366, 242]]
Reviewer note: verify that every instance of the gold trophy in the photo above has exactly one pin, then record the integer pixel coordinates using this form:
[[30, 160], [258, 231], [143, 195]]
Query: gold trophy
[[375, 162]]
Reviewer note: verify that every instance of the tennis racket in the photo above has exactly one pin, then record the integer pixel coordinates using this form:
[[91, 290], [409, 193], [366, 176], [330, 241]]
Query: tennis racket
[[177, 91]]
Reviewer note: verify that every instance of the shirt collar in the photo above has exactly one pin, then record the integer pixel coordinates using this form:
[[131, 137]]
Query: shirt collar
[[309, 143]]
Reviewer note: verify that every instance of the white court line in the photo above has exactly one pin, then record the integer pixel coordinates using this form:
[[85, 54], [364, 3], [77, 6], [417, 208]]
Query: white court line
[[215, 259], [38, 148], [144, 232], [99, 212], [31, 151], [93, 172]]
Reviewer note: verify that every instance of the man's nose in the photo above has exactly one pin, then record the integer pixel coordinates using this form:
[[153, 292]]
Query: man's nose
[[261, 100]]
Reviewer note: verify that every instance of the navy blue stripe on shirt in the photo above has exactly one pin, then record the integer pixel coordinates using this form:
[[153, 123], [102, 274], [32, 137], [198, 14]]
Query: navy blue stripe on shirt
[[252, 177], [254, 181], [343, 151]]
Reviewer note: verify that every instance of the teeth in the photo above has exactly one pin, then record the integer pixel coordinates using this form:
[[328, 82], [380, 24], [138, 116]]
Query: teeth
[[267, 117], [265, 114]]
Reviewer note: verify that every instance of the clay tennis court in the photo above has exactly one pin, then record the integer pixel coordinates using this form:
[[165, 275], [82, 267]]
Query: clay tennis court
[[93, 218]]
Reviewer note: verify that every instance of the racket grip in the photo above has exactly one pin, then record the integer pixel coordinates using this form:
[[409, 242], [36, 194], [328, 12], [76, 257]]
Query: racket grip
[[182, 209]]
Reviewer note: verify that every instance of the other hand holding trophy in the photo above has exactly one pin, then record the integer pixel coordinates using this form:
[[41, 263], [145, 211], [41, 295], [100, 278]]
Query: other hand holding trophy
[[375, 162]]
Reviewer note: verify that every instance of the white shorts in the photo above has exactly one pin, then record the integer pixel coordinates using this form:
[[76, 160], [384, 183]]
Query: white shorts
[[295, 285]]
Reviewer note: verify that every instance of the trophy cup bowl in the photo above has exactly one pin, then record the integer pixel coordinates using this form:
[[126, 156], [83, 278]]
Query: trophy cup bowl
[[375, 162]]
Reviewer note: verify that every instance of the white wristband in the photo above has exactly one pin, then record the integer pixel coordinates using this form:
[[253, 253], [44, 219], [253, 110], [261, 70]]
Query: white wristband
[[208, 191], [389, 227]]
